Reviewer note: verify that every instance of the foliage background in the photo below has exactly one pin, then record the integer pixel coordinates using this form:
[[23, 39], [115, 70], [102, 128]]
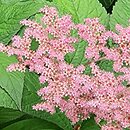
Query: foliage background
[[18, 90]]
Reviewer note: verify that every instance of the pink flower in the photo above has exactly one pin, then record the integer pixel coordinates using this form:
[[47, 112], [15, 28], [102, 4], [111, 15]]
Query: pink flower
[[74, 93]]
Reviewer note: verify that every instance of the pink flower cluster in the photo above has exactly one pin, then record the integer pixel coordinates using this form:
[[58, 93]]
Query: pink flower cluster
[[111, 99], [69, 89]]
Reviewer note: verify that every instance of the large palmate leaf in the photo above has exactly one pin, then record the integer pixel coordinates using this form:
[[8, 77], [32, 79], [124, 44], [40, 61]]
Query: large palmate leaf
[[32, 124], [120, 14], [11, 82], [30, 98], [81, 9], [11, 12]]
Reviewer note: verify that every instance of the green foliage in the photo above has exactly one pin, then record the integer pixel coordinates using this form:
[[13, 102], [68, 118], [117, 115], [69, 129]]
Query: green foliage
[[106, 65], [12, 82], [125, 83], [120, 14], [81, 9], [11, 12], [19, 91], [76, 58], [89, 124], [30, 98], [32, 124], [34, 45], [126, 129], [6, 100], [7, 115], [87, 70]]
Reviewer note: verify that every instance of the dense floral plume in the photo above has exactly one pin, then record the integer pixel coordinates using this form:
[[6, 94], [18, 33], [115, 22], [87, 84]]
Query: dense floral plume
[[111, 100], [69, 89]]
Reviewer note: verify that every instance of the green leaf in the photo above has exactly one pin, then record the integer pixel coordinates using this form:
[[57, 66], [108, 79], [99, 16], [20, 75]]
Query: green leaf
[[89, 124], [125, 83], [126, 129], [81, 9], [76, 58], [31, 82], [32, 124], [106, 65], [19, 1], [11, 82], [120, 14], [11, 13], [6, 100], [102, 122], [38, 18], [88, 70], [9, 114], [34, 45], [31, 98]]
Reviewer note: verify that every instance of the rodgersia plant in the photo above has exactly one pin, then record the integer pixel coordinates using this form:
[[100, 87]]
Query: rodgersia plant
[[69, 89]]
